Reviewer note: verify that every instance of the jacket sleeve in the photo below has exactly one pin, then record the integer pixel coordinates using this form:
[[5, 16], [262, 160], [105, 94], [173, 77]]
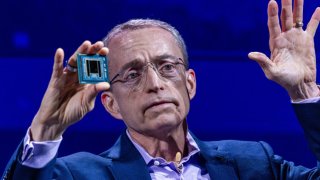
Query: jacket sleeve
[[308, 115], [15, 169], [283, 169]]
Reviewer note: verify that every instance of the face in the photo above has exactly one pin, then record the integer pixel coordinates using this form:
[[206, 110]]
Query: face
[[159, 105]]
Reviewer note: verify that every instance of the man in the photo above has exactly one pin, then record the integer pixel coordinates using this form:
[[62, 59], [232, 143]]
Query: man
[[151, 88]]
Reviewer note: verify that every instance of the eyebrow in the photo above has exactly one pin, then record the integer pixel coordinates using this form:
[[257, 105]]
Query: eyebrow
[[168, 56], [136, 62], [132, 63], [165, 56]]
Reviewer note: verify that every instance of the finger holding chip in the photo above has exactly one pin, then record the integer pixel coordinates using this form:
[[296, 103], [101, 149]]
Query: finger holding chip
[[90, 62], [66, 101], [95, 48], [86, 48], [83, 48]]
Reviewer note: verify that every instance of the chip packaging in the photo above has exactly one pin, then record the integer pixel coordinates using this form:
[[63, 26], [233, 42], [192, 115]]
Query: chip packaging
[[92, 69]]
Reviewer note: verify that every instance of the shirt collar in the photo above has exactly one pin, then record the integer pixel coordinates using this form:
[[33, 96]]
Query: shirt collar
[[192, 149]]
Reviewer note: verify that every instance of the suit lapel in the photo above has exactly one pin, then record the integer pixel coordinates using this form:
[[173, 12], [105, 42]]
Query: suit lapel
[[127, 163]]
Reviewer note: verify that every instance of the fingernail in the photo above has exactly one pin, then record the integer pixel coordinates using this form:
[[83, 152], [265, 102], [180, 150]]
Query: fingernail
[[252, 54]]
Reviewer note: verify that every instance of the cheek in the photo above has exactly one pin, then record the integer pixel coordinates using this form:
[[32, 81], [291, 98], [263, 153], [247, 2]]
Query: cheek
[[185, 100], [182, 96], [129, 106], [127, 103]]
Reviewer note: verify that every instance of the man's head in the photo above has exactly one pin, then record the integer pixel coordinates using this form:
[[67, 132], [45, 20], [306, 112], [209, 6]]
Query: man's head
[[135, 24], [152, 86]]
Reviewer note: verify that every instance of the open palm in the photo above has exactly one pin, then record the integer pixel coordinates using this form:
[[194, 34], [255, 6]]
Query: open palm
[[293, 62]]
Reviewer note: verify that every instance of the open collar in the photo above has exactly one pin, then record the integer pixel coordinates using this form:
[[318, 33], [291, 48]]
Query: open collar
[[127, 162]]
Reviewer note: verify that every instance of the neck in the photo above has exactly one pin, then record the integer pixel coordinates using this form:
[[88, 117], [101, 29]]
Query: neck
[[166, 145]]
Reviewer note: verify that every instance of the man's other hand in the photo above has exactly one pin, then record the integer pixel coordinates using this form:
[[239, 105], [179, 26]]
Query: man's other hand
[[293, 62]]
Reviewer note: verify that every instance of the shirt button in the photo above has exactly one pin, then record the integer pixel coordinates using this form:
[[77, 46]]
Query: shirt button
[[156, 163]]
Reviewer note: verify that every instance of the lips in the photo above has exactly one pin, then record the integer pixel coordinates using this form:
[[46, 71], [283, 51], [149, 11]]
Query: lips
[[157, 102]]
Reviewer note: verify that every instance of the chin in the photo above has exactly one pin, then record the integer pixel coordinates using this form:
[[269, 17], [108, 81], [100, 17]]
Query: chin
[[165, 125]]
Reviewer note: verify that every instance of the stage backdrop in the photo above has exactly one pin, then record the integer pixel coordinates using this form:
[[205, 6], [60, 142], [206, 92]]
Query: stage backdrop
[[234, 100]]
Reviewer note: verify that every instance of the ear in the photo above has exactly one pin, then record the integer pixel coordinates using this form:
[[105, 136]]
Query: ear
[[191, 82], [110, 104]]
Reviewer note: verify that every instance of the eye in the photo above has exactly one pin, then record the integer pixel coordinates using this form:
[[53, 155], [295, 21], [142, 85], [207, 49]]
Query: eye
[[132, 75], [167, 67]]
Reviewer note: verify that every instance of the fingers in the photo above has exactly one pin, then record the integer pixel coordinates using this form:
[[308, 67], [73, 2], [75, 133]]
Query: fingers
[[95, 47], [87, 48], [298, 11], [103, 86], [94, 89], [58, 63], [83, 48], [273, 21], [286, 15], [289, 18], [261, 59], [314, 22], [103, 51]]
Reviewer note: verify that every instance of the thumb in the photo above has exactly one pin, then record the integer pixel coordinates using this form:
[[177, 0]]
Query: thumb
[[102, 86], [261, 59], [94, 89]]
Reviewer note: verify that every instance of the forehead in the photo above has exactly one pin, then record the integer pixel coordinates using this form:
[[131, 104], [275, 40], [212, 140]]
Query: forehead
[[143, 44]]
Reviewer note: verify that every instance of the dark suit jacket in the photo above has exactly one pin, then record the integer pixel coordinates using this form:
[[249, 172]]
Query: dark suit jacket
[[223, 159]]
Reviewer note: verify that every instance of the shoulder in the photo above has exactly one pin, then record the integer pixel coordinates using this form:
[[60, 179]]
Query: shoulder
[[250, 158], [85, 158], [105, 157], [244, 146], [247, 149], [235, 149], [83, 164], [242, 153]]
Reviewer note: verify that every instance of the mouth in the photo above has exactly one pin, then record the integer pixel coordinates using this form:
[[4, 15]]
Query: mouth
[[159, 103]]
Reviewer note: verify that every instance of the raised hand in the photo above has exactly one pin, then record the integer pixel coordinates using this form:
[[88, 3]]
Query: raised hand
[[293, 61], [66, 101]]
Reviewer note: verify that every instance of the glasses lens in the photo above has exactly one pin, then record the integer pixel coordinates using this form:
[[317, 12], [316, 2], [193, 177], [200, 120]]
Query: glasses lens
[[133, 77]]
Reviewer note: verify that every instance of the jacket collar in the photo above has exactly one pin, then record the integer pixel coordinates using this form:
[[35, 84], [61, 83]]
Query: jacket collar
[[127, 163]]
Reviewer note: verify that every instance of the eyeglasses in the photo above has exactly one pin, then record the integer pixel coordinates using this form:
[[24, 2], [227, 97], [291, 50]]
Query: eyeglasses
[[132, 74]]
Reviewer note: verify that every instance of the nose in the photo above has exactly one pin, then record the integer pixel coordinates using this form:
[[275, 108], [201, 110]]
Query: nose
[[152, 79]]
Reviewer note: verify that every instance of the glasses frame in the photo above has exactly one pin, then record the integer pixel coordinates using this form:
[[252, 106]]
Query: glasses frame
[[114, 80]]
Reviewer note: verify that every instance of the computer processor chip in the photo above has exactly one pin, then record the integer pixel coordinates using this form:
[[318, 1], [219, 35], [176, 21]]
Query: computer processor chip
[[92, 68]]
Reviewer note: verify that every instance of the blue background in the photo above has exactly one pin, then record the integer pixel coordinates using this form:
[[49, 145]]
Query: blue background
[[234, 99]]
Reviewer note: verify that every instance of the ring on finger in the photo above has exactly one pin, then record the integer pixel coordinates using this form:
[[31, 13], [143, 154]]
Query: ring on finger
[[71, 68], [298, 24]]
